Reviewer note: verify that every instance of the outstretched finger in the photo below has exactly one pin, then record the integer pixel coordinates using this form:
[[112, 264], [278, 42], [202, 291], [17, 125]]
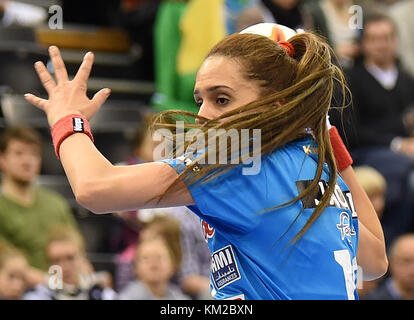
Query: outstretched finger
[[100, 97], [58, 64], [97, 101], [84, 71], [36, 101], [45, 77]]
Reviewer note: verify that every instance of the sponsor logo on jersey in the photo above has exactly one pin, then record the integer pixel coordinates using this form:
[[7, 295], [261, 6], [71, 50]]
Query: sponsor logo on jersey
[[345, 226], [308, 149], [224, 269], [340, 199], [208, 231]]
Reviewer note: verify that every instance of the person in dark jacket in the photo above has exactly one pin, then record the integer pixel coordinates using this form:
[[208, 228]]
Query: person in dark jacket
[[379, 126]]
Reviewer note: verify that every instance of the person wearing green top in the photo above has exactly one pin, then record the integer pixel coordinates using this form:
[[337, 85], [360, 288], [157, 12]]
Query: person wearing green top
[[173, 90], [27, 212], [184, 32]]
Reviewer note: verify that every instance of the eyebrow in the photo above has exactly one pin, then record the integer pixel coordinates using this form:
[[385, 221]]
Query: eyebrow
[[211, 89]]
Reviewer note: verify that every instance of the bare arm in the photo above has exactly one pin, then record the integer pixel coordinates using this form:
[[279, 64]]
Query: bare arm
[[102, 187], [96, 183], [371, 254]]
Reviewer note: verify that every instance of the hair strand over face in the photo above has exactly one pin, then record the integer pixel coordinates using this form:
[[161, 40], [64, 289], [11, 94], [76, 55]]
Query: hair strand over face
[[296, 94]]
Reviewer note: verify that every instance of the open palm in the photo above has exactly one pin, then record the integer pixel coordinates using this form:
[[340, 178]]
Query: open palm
[[66, 96]]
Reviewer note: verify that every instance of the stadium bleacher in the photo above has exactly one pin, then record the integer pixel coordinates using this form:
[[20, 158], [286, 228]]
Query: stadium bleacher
[[116, 66]]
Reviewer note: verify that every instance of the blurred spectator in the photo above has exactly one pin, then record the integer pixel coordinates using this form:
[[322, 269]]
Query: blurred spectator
[[13, 271], [290, 13], [16, 13], [155, 265], [66, 250], [184, 33], [194, 273], [27, 211], [402, 12], [381, 116], [400, 284], [376, 128], [250, 16], [152, 225], [374, 185], [124, 239], [173, 91], [235, 8], [331, 19], [167, 228]]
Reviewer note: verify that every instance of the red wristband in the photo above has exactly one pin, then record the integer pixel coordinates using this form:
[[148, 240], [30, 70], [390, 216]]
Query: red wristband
[[342, 156], [68, 125]]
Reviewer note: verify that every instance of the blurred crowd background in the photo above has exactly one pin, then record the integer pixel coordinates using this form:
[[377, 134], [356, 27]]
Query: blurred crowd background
[[148, 52]]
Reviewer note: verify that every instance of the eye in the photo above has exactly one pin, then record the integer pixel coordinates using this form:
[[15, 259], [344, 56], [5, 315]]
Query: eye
[[222, 101], [199, 103]]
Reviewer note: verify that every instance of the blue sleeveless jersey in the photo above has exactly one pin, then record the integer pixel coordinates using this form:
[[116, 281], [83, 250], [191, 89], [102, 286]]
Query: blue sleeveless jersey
[[251, 253]]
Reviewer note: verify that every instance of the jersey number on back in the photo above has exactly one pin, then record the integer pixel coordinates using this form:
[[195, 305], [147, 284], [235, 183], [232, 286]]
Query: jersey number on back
[[343, 258]]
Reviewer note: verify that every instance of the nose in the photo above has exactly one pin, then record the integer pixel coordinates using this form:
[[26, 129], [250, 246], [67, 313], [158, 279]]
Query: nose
[[203, 113]]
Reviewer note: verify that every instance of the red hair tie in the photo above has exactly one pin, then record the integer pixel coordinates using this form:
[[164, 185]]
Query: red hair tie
[[288, 47]]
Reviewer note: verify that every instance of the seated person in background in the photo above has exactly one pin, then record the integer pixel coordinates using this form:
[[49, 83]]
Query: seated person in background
[[400, 284], [169, 229], [71, 274], [402, 12], [380, 135], [124, 239], [13, 271], [28, 212], [331, 18], [381, 90], [155, 266], [374, 185], [194, 272]]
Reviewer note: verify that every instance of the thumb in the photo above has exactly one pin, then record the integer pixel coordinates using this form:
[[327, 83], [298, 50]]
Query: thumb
[[36, 101], [97, 101], [100, 97]]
